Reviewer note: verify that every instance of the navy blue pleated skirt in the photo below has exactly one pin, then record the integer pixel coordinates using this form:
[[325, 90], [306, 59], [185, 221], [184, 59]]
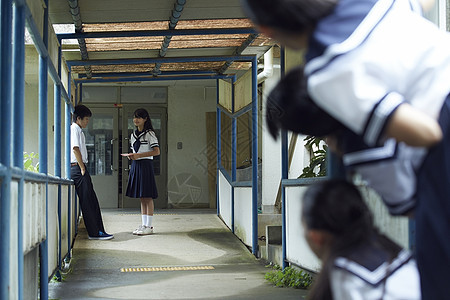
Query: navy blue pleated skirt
[[141, 181]]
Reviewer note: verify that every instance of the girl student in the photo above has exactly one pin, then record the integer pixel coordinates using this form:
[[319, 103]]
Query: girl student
[[381, 69], [290, 107], [141, 180], [358, 262]]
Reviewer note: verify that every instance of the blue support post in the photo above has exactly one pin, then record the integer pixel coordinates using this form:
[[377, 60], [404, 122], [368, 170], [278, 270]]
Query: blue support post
[[254, 156], [57, 122], [219, 151], [43, 150], [5, 149], [335, 167], [284, 175], [233, 150], [80, 93], [67, 167], [57, 152], [18, 60], [68, 123]]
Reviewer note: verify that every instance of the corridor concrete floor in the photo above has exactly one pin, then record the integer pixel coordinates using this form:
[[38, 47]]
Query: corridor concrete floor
[[191, 255]]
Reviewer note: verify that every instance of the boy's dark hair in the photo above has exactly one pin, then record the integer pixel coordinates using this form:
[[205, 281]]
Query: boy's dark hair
[[81, 111], [294, 16], [290, 107], [143, 113], [337, 207]]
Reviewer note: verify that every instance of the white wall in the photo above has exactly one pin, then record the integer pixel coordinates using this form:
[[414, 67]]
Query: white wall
[[31, 115], [297, 249], [243, 217], [224, 189], [187, 107], [270, 149]]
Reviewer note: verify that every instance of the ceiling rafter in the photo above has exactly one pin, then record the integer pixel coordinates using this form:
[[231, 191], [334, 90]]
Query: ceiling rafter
[[176, 14], [76, 16]]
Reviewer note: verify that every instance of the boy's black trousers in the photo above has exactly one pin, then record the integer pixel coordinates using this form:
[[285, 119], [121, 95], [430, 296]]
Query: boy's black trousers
[[88, 201]]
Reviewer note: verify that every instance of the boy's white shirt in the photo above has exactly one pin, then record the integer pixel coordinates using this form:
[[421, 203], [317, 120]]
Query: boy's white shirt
[[77, 139]]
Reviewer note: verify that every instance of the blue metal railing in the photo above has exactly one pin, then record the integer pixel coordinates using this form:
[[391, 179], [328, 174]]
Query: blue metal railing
[[253, 107]]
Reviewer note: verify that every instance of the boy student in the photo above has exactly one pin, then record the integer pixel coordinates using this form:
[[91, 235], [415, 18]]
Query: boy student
[[381, 69], [83, 184]]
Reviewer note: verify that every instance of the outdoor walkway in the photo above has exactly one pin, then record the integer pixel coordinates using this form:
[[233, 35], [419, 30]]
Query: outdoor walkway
[[222, 267]]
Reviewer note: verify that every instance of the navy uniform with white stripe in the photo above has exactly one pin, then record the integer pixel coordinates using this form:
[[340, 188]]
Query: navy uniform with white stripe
[[397, 162], [376, 56], [141, 182]]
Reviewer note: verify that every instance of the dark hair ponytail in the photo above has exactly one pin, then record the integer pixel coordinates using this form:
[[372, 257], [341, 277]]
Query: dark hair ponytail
[[290, 15], [290, 107], [143, 113], [337, 206]]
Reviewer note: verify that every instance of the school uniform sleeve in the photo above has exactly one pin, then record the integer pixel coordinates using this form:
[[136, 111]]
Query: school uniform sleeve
[[357, 97], [152, 139], [132, 140], [398, 162], [391, 57]]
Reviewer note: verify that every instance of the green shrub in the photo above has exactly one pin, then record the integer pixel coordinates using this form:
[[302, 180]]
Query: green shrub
[[290, 277], [318, 163], [28, 162]]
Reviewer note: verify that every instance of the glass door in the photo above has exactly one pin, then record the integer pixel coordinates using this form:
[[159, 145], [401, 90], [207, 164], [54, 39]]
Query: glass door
[[159, 122], [102, 146]]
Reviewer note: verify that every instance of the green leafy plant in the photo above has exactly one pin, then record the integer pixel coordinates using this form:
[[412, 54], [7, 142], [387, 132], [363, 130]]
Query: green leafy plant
[[318, 163], [290, 277], [28, 162]]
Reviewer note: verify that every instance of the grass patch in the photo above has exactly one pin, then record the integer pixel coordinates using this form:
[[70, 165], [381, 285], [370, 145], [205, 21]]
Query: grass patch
[[289, 277]]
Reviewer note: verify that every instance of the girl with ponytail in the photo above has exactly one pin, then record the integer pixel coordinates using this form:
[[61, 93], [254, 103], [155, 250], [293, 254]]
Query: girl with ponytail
[[358, 262]]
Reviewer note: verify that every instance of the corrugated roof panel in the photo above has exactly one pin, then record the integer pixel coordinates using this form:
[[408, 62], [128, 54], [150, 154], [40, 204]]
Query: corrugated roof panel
[[190, 66], [125, 26], [187, 24], [217, 23], [116, 68], [206, 43]]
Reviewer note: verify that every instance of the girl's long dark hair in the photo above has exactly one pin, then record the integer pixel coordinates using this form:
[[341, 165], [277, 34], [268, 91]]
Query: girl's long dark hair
[[337, 207], [143, 113]]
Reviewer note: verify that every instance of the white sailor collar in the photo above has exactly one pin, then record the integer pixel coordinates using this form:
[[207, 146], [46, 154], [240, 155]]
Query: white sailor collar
[[376, 276], [138, 136]]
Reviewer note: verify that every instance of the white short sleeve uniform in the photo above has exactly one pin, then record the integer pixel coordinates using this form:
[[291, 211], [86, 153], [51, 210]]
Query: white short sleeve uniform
[[393, 56], [77, 139], [147, 140]]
